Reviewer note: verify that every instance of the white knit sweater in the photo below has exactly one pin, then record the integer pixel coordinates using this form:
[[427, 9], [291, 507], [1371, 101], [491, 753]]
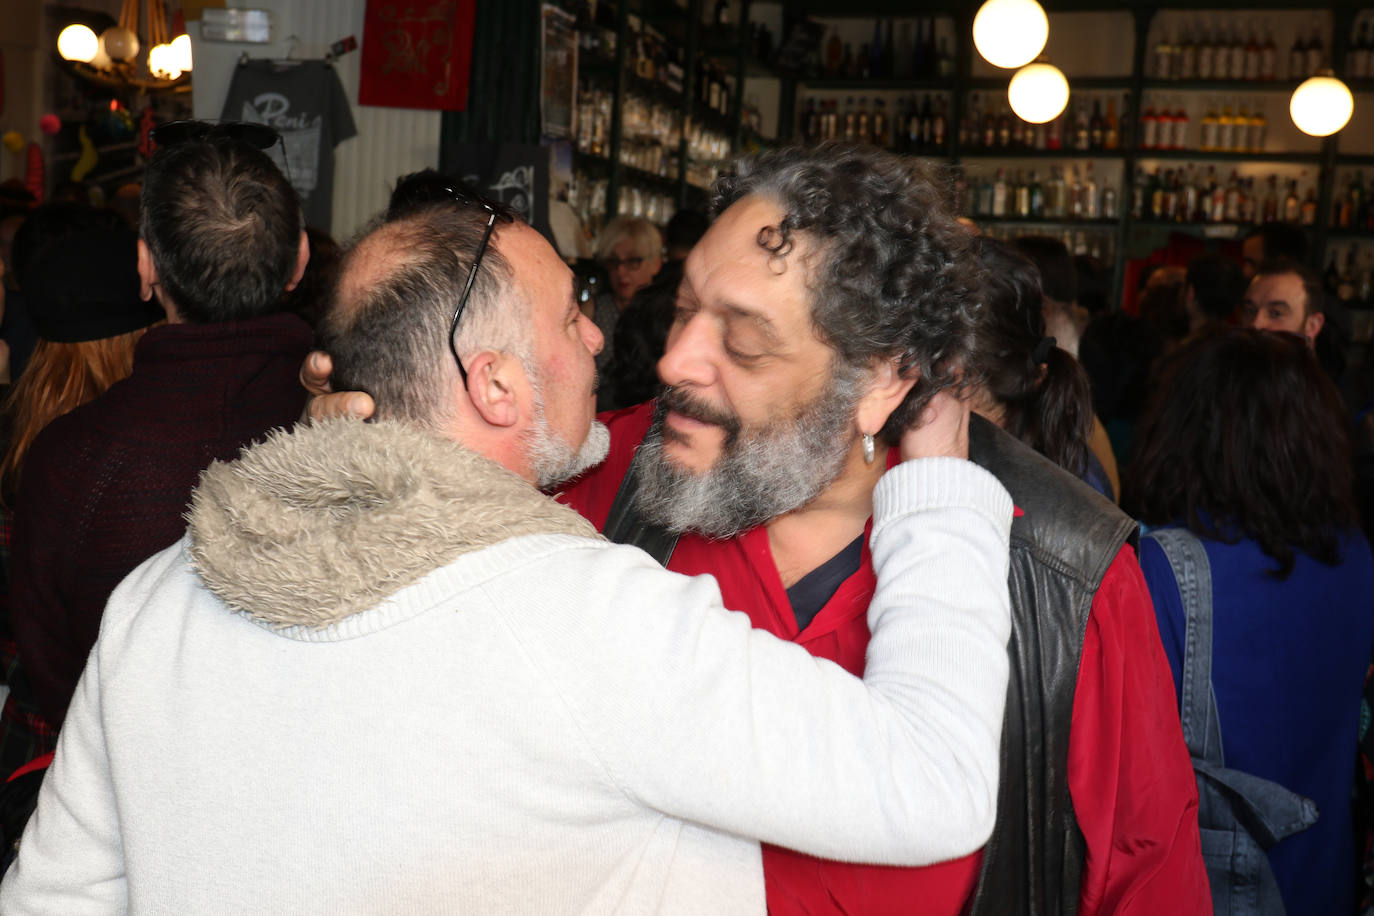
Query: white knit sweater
[[547, 723]]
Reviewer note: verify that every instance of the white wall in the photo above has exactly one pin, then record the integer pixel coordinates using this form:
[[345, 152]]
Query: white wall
[[390, 141]]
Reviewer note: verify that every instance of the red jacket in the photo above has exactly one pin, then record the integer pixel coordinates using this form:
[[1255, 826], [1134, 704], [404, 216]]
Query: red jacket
[[1130, 779]]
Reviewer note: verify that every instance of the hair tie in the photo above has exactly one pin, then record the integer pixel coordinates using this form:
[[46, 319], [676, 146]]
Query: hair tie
[[1041, 353]]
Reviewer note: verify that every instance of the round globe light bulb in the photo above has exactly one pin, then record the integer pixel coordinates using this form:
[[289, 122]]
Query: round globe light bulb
[[1010, 33], [119, 44], [1321, 106], [161, 62], [181, 52], [1038, 93], [78, 42]]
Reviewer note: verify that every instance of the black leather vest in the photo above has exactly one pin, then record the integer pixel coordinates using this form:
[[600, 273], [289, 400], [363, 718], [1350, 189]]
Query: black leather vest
[[1060, 550]]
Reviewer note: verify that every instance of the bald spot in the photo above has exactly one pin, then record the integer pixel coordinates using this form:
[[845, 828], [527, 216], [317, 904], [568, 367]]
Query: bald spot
[[380, 254]]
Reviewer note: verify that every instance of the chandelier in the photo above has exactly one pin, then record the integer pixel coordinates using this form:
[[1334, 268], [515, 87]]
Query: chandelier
[[112, 58]]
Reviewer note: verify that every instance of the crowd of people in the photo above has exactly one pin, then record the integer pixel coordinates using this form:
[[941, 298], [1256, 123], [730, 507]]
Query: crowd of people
[[898, 569]]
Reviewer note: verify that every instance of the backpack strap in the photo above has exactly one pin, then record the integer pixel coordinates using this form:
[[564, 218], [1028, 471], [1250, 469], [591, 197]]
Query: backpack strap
[[1267, 810], [1197, 699], [624, 525]]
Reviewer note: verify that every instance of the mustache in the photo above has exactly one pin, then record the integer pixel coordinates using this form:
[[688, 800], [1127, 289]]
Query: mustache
[[680, 402]]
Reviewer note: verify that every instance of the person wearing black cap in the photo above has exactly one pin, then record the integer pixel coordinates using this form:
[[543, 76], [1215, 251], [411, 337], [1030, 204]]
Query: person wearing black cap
[[105, 486], [83, 301]]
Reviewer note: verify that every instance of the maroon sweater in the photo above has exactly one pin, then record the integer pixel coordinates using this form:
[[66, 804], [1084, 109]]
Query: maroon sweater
[[105, 486]]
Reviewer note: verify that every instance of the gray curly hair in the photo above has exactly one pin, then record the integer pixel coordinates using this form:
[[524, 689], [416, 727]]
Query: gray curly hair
[[897, 275]]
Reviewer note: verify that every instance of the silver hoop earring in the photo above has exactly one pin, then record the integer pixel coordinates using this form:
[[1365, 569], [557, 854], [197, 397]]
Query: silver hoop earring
[[869, 450]]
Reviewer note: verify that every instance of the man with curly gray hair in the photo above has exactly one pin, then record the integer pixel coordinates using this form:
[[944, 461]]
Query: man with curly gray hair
[[832, 297]]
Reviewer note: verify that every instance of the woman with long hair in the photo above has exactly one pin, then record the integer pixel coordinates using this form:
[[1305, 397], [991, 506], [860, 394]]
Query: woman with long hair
[[81, 290], [1029, 386], [1245, 453]]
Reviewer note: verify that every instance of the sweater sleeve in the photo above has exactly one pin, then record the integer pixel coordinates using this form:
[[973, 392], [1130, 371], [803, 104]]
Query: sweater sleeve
[[696, 714], [71, 860]]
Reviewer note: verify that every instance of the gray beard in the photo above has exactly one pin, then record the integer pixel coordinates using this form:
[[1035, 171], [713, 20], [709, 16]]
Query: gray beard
[[761, 473], [553, 460]]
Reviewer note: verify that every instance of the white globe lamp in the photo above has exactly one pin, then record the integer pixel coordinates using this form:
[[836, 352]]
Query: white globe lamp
[[1010, 33], [181, 52], [1322, 105], [162, 62], [1038, 93], [119, 44], [78, 42]]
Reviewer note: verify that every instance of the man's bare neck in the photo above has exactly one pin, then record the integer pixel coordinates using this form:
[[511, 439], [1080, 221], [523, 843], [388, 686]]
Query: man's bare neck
[[803, 540]]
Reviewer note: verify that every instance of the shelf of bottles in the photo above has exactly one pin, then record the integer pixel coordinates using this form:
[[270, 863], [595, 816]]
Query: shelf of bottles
[[1191, 195], [663, 102], [1069, 193], [1186, 48], [1089, 126], [1097, 241]]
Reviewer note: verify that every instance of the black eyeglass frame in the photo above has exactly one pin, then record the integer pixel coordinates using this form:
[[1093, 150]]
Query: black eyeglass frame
[[258, 136], [425, 188]]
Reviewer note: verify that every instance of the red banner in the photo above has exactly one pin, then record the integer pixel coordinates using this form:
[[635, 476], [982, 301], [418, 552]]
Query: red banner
[[417, 54]]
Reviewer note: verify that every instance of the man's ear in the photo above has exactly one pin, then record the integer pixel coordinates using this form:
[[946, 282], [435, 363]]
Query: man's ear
[[1312, 325], [147, 272], [887, 388], [495, 383], [302, 259]]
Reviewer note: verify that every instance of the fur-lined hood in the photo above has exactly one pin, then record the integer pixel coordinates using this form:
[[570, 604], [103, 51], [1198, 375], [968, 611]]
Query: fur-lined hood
[[322, 522]]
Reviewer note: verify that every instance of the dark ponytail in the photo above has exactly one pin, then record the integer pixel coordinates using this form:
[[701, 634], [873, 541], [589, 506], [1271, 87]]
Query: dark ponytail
[[1047, 405]]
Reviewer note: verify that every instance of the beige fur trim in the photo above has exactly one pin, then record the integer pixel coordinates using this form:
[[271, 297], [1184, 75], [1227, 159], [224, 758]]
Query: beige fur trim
[[322, 522]]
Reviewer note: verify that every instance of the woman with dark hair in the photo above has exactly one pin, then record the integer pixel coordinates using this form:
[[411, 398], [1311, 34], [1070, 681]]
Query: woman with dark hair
[[1246, 448], [1029, 386]]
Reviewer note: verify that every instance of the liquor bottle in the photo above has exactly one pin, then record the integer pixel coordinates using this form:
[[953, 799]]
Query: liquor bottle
[[862, 125], [1297, 59], [1164, 56], [1233, 199], [1357, 199], [1292, 206], [1226, 130], [1216, 205], [1096, 126], [810, 123], [1210, 129], [834, 55], [944, 61], [1168, 195], [1140, 194], [1054, 133], [1269, 211], [1249, 204], [902, 61], [1187, 197], [1020, 197], [879, 129], [1207, 54], [1186, 58], [1237, 53], [1110, 208], [989, 128], [1004, 128], [1252, 56], [1149, 128], [1240, 135], [1316, 52], [1035, 192], [1018, 132], [1180, 126], [1259, 130], [851, 121], [1357, 58], [1054, 194], [1090, 201], [1111, 134], [984, 197], [939, 124], [999, 194], [1308, 209], [1075, 195], [926, 127], [1221, 67], [1269, 55]]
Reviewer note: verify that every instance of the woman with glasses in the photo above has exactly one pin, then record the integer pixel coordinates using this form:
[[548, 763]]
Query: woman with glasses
[[631, 250]]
